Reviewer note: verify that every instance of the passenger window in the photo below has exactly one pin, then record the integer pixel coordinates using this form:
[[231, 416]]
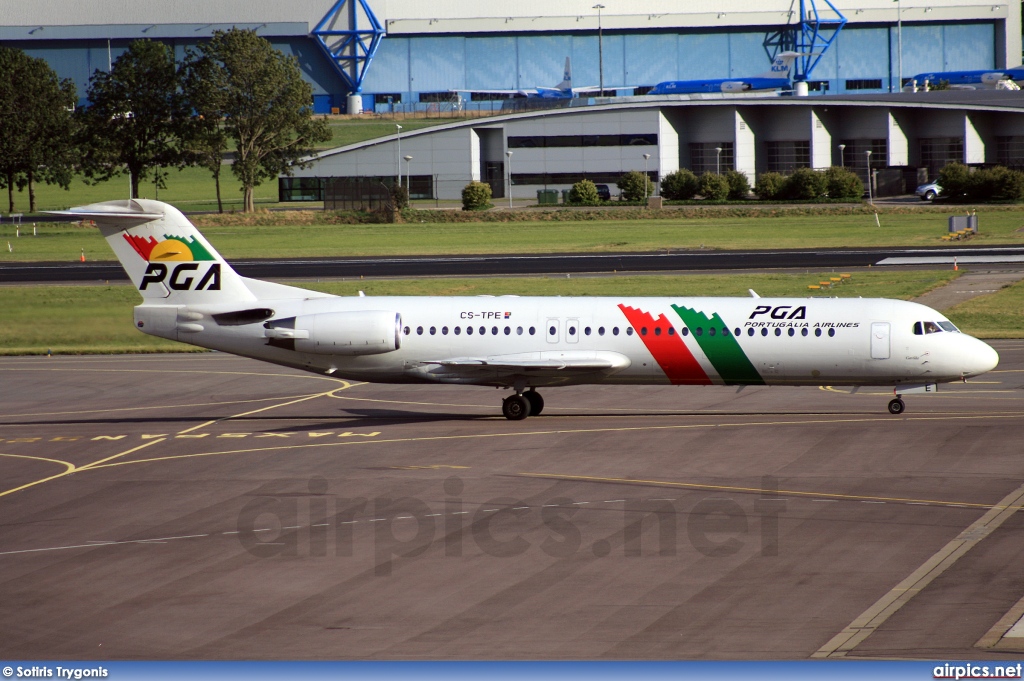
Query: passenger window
[[600, 331], [508, 330], [586, 330], [433, 330], [629, 330], [519, 331], [831, 333], [406, 330], [615, 331], [817, 333], [657, 331], [419, 330], [737, 331], [764, 332], [803, 331], [533, 330], [686, 331], [792, 331], [469, 330], [778, 332], [572, 330], [643, 331], [494, 330], [457, 330], [552, 331], [711, 331], [483, 330], [750, 332], [444, 330], [671, 330], [699, 331]]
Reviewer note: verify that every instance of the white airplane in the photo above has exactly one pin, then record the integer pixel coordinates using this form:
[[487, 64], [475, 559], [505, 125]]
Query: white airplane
[[190, 294]]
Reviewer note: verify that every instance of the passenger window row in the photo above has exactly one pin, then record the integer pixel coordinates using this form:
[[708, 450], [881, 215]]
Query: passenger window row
[[670, 331]]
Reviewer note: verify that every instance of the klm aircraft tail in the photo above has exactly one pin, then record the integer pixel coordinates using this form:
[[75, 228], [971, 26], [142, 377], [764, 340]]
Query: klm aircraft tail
[[782, 65], [165, 256], [566, 83]]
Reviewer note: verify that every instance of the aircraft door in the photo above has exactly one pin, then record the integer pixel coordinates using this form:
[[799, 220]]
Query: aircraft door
[[880, 340], [572, 331], [551, 329]]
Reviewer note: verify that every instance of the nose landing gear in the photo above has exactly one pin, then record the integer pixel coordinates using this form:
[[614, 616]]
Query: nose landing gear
[[517, 407], [896, 405]]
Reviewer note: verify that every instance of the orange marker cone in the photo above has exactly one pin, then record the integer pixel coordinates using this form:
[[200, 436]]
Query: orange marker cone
[[83, 255], [955, 266]]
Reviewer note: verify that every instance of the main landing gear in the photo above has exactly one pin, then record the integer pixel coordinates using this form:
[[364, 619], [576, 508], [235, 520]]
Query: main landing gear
[[896, 405], [517, 407]]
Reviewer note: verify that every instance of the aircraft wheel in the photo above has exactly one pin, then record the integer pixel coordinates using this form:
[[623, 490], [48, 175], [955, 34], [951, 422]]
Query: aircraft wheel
[[896, 406], [515, 407], [536, 402]]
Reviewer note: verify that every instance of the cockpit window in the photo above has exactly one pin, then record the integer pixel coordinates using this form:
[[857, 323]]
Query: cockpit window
[[948, 326], [922, 328]]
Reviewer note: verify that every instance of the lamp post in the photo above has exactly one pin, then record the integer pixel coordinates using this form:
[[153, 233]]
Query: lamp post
[[718, 160], [842, 159], [408, 174], [398, 156], [508, 154], [600, 49], [867, 155], [646, 179]]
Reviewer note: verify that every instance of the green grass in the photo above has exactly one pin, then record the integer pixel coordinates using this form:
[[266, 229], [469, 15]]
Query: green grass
[[996, 315], [98, 319], [350, 131], [64, 242]]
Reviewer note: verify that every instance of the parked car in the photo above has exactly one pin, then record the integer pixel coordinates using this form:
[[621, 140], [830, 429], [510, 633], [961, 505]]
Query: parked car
[[603, 192], [929, 191]]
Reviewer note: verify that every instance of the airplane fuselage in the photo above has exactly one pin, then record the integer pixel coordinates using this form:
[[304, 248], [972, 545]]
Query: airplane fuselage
[[682, 87], [683, 341]]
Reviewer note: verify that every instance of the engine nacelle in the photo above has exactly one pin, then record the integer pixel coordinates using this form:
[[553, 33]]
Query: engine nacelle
[[992, 78], [369, 332], [735, 86]]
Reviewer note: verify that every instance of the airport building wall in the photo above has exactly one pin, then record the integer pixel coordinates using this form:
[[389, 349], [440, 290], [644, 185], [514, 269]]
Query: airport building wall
[[908, 135], [432, 48]]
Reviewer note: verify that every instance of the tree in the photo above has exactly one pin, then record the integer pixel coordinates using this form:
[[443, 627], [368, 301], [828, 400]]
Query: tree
[[135, 117], [634, 185], [204, 137], [679, 186], [769, 185], [35, 125], [267, 104], [584, 193], [843, 183]]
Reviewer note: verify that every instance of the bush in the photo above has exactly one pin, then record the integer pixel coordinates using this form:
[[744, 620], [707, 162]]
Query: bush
[[584, 193], [769, 185], [476, 196], [679, 186], [843, 183], [634, 185], [713, 187], [400, 197], [739, 186], [1011, 186], [804, 185], [955, 180]]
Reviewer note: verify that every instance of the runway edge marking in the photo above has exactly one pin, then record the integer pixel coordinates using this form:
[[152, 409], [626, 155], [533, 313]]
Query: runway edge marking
[[885, 607]]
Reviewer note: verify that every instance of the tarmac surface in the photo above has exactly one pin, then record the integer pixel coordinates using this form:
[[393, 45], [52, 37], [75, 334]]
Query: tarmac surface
[[212, 507], [545, 263]]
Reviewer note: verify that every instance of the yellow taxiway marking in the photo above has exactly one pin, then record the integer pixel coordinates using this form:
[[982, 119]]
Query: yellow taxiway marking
[[345, 385], [759, 490], [566, 431], [843, 643]]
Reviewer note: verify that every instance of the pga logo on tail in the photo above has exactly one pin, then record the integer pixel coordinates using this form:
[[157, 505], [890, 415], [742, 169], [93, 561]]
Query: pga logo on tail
[[174, 248]]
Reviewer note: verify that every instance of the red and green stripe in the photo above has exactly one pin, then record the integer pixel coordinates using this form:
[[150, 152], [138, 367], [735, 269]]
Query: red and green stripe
[[720, 346]]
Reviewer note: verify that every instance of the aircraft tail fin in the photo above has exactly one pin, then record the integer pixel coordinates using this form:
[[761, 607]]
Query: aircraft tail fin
[[566, 83], [165, 256], [782, 65]]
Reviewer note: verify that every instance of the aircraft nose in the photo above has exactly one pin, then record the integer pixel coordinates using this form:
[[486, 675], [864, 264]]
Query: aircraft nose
[[981, 358]]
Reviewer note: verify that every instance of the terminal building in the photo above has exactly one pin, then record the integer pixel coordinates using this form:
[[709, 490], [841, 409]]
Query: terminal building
[[422, 51]]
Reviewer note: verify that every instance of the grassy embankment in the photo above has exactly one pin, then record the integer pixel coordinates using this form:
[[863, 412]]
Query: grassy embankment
[[98, 319], [306, 236]]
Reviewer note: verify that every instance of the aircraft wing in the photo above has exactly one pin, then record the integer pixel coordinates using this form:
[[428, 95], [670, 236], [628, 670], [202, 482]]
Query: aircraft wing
[[560, 366], [531, 91]]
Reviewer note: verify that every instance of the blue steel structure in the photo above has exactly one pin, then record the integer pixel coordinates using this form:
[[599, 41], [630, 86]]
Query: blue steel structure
[[355, 47], [811, 37]]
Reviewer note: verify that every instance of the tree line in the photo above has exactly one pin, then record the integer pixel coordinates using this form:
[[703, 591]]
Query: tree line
[[149, 114]]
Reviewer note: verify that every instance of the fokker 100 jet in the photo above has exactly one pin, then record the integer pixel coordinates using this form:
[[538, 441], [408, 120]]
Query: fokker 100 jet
[[191, 294], [777, 78]]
